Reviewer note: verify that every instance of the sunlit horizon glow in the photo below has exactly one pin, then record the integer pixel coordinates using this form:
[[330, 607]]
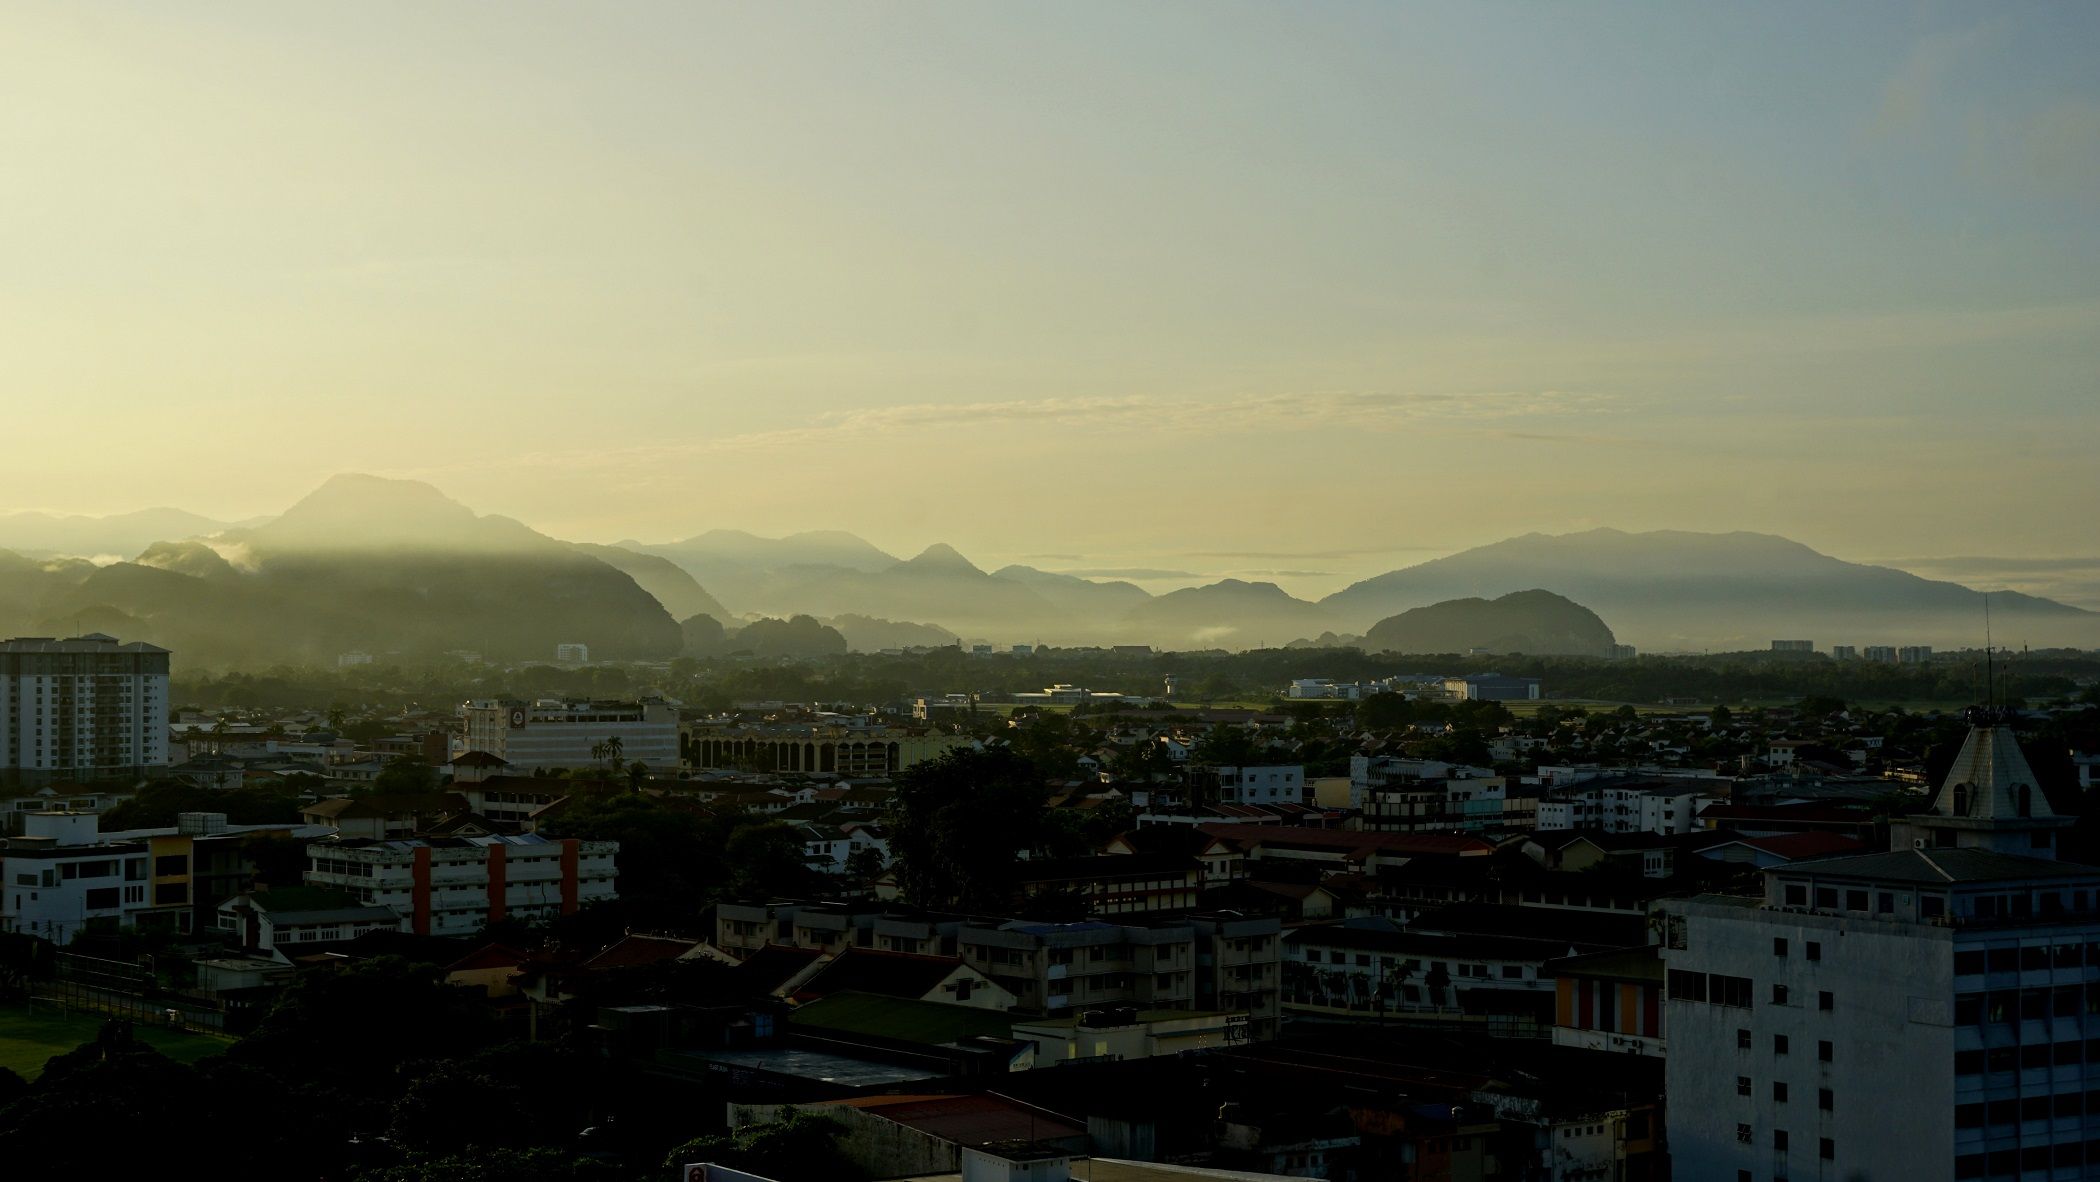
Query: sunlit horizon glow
[[1184, 289]]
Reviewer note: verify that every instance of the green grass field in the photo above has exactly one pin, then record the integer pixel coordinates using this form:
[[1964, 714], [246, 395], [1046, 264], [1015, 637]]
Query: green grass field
[[28, 1038]]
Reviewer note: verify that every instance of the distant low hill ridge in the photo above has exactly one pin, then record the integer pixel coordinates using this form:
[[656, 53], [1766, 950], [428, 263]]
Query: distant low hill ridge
[[1681, 590], [1532, 622]]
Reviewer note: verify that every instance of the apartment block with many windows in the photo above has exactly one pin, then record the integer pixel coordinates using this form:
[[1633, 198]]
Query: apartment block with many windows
[[86, 708], [457, 886]]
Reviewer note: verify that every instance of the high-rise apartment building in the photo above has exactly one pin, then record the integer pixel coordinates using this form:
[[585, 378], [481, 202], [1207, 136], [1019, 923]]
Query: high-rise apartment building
[[82, 709], [1932, 1012]]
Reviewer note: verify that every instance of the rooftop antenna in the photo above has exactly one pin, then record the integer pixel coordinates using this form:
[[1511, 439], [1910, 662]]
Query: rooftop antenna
[[1990, 680]]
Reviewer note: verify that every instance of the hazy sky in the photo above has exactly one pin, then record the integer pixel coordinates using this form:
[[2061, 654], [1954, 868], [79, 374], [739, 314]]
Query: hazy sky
[[1200, 287]]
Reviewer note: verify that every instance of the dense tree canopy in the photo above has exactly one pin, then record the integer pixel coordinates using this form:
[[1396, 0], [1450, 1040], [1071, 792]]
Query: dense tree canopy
[[957, 824]]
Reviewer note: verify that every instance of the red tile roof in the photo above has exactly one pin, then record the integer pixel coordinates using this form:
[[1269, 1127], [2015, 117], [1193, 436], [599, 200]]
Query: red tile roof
[[632, 951], [967, 1120]]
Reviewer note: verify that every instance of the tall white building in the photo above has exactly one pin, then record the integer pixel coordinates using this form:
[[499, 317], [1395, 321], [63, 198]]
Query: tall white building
[[560, 733], [1917, 1014], [84, 708]]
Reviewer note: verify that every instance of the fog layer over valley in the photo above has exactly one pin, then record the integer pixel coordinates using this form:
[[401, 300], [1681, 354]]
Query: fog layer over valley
[[395, 568]]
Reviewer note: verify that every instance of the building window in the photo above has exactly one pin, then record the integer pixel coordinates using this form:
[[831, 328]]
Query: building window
[[1826, 1100], [1779, 1140], [1826, 1000], [1778, 1091], [1779, 1044], [1742, 1085], [1827, 1150], [1742, 1040], [1779, 945], [1825, 1050], [1742, 1134], [1779, 994]]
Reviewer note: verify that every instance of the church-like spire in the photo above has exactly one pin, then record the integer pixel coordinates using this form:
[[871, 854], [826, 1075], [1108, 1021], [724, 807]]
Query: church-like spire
[[1989, 798], [1990, 779]]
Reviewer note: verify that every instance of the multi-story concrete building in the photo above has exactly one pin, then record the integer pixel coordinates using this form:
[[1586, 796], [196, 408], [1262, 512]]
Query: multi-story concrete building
[[1885, 653], [564, 733], [1843, 652], [714, 745], [61, 878], [1277, 784], [1410, 806], [1493, 687], [1924, 1013], [282, 924], [1065, 968], [1663, 807], [63, 875], [1914, 654], [1351, 970], [1793, 646], [1239, 967], [457, 886], [1203, 961], [82, 709]]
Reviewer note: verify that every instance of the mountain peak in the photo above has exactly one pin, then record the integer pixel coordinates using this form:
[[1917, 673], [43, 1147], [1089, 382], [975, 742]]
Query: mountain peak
[[356, 511], [361, 492], [942, 557]]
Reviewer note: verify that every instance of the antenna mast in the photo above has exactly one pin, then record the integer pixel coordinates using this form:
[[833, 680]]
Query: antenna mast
[[1990, 677]]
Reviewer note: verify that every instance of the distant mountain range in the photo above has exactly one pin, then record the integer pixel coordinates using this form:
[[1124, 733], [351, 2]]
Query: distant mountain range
[[1675, 590], [42, 535], [392, 566], [361, 564]]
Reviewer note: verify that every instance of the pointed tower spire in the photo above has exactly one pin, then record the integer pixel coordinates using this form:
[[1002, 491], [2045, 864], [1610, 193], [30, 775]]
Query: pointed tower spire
[[1990, 799]]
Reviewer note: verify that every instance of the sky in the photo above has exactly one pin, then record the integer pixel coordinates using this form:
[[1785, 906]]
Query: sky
[[1297, 292]]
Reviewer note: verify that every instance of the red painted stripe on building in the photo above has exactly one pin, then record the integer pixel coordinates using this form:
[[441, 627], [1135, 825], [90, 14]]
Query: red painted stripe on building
[[419, 886], [499, 883], [569, 857]]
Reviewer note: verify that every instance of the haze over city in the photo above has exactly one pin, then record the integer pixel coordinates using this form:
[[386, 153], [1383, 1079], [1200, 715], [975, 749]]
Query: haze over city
[[1216, 289], [1157, 591]]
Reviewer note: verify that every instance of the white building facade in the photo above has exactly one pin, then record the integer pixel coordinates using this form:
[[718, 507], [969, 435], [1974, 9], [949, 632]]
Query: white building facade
[[458, 886], [1278, 784], [561, 733], [62, 876], [1928, 1013]]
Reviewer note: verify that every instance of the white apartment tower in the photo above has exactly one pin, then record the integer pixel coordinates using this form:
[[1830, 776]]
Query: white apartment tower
[[82, 709], [1928, 1013]]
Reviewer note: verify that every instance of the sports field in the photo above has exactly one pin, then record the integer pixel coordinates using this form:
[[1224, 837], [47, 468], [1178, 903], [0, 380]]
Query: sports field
[[28, 1038]]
